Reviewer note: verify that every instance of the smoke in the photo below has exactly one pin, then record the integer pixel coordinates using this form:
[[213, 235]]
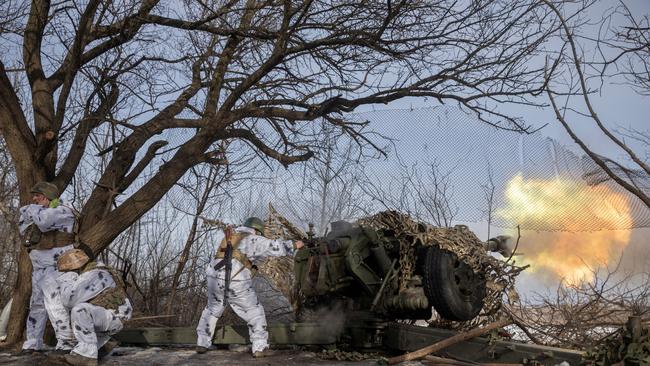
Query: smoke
[[636, 256], [331, 317], [570, 255]]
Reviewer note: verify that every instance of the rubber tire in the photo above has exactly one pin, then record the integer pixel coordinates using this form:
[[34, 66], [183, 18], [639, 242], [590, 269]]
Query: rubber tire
[[442, 290]]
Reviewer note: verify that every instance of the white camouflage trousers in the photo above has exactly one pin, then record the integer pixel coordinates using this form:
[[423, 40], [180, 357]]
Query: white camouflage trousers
[[83, 329], [44, 268], [59, 315], [243, 300], [93, 326]]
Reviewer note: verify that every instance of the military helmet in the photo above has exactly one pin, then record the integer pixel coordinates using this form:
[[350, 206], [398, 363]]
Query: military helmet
[[72, 260], [47, 189], [255, 223]]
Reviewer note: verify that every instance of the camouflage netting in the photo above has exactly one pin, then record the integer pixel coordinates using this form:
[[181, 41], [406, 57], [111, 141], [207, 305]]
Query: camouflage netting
[[622, 346], [500, 275], [340, 355]]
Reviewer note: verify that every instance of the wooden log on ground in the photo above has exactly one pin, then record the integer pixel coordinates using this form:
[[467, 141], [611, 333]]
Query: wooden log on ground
[[449, 342], [452, 362], [151, 317], [448, 361]]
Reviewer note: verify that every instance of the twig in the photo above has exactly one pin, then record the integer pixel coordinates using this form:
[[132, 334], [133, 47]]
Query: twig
[[449, 361], [152, 317], [291, 228]]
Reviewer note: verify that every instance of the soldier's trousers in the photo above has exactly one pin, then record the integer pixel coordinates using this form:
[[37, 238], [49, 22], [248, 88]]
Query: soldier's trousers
[[243, 300], [44, 264], [83, 329], [92, 326], [59, 314]]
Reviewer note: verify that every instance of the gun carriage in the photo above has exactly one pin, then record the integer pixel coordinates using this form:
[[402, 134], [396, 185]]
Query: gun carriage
[[392, 274]]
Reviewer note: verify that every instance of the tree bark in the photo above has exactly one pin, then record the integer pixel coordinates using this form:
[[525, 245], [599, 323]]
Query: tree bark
[[21, 295], [21, 144]]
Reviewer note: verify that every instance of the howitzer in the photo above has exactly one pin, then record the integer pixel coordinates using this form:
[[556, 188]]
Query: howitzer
[[391, 272]]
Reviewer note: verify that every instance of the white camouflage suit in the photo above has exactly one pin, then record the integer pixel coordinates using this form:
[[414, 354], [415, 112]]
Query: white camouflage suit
[[60, 218], [241, 296], [78, 323]]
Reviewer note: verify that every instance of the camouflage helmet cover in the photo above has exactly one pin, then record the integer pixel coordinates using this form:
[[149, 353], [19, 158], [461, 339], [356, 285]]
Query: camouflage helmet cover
[[71, 260], [47, 189], [255, 223]]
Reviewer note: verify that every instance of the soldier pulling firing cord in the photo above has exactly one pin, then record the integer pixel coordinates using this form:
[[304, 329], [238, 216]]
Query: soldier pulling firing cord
[[230, 283]]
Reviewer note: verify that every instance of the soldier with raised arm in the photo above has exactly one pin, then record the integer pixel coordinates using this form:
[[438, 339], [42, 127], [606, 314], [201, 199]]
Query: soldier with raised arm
[[247, 248], [46, 226]]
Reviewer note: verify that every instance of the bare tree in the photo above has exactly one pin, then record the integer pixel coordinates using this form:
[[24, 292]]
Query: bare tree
[[582, 315], [9, 240], [327, 188], [209, 180], [153, 248], [632, 44], [488, 193], [625, 49], [422, 190], [256, 72]]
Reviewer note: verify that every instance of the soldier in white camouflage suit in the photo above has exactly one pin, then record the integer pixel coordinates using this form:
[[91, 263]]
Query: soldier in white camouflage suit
[[47, 229], [249, 247], [87, 303]]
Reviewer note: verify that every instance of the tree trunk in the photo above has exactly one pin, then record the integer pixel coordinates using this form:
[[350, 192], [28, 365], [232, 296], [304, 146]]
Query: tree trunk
[[21, 294], [23, 287], [23, 147]]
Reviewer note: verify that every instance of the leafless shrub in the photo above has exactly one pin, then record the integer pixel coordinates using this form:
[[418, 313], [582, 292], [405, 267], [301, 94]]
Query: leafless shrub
[[580, 316], [421, 190]]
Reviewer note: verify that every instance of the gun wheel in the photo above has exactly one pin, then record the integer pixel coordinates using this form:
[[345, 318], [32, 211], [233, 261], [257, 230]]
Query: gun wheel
[[454, 290]]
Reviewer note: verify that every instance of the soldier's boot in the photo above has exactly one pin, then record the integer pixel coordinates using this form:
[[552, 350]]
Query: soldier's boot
[[58, 355], [79, 360], [106, 349], [266, 352], [59, 352], [25, 352], [201, 349], [241, 348]]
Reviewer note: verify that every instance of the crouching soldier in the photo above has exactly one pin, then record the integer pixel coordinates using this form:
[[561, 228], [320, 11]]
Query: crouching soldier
[[87, 304], [230, 282], [46, 227]]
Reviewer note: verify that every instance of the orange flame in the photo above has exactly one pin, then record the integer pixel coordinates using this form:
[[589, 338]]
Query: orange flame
[[572, 254]]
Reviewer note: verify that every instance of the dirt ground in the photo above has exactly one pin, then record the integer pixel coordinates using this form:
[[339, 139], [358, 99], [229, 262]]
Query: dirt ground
[[131, 356]]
